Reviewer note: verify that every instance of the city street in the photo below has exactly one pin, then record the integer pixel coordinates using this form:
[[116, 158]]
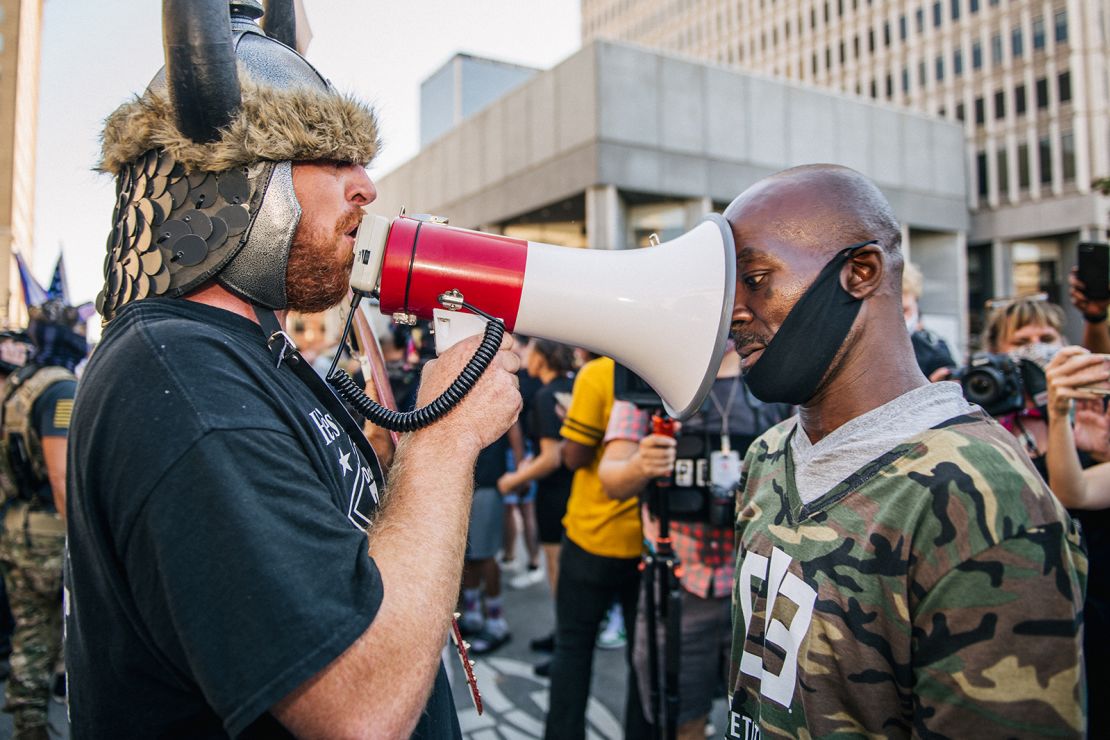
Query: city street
[[516, 700]]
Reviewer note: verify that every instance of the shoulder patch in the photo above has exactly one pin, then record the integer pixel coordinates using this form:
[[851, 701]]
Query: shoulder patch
[[63, 411]]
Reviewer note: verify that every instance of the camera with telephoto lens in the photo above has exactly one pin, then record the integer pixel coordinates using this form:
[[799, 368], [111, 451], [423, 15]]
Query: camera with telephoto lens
[[1000, 384]]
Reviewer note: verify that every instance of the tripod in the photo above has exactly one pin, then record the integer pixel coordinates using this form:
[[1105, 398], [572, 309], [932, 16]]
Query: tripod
[[661, 571]]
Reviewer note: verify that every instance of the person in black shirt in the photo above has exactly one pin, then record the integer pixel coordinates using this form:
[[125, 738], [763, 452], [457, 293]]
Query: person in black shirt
[[237, 565], [552, 364]]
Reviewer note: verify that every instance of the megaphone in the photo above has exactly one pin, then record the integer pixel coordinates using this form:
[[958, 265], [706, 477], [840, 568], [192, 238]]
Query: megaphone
[[663, 312]]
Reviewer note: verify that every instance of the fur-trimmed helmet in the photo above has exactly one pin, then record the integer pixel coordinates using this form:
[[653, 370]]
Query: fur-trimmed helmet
[[203, 159]]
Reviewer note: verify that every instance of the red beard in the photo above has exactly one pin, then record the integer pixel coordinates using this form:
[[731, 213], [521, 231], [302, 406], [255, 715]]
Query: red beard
[[318, 273]]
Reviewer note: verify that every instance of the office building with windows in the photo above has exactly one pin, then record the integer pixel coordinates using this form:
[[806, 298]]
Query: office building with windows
[[1027, 80]]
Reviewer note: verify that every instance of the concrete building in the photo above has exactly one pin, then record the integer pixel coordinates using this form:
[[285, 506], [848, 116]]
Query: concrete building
[[618, 142], [1026, 79], [461, 88], [20, 35]]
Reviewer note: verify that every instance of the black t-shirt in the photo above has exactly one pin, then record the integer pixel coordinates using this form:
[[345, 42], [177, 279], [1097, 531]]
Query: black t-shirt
[[491, 463], [216, 557], [50, 416], [544, 421]]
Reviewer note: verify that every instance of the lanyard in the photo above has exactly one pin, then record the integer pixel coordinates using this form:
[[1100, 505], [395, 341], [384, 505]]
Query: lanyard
[[726, 443]]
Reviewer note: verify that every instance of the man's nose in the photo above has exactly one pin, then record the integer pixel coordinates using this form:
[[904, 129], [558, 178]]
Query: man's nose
[[740, 311], [360, 188]]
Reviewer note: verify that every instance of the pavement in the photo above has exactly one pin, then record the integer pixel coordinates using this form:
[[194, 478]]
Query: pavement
[[515, 700]]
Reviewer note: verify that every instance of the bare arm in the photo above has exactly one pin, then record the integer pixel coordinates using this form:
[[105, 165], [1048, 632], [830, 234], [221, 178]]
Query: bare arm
[[54, 454], [1096, 334], [627, 467], [542, 465], [379, 686], [516, 441], [1072, 368], [577, 455]]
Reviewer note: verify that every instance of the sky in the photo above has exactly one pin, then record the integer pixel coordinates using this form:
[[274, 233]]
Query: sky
[[95, 55]]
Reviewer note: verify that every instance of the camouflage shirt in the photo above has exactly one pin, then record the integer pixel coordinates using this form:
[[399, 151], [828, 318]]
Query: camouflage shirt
[[936, 592]]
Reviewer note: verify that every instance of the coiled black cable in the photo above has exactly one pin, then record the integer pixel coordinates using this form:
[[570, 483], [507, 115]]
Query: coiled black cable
[[408, 421]]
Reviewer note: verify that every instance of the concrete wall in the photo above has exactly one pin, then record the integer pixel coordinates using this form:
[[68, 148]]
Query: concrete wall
[[943, 305], [461, 88], [619, 115]]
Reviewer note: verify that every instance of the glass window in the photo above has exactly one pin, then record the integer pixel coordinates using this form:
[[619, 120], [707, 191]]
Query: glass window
[[921, 74], [813, 64], [1038, 33], [979, 115], [1061, 26], [938, 13], [981, 173], [955, 10], [958, 62], [842, 52], [996, 49], [905, 80], [940, 69], [889, 86], [855, 47], [1067, 154], [1064, 86], [874, 89], [960, 111], [1000, 104], [1023, 166], [1042, 93], [1003, 173], [871, 40], [976, 55], [1019, 100], [886, 34], [919, 18], [1017, 48], [1044, 152], [902, 27], [973, 6]]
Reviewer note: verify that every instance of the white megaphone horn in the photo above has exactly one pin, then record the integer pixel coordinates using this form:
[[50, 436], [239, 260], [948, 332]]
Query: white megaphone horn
[[663, 312]]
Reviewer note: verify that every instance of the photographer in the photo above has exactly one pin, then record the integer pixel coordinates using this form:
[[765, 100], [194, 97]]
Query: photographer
[[702, 530], [1027, 328]]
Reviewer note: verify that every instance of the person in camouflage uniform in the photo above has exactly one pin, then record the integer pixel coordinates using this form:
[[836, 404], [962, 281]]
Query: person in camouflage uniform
[[38, 401], [901, 568]]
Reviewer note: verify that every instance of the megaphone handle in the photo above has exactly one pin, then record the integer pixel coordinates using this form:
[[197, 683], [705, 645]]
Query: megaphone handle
[[409, 421]]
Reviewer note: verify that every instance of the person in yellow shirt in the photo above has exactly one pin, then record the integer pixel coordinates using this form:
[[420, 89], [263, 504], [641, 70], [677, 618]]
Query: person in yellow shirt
[[598, 562]]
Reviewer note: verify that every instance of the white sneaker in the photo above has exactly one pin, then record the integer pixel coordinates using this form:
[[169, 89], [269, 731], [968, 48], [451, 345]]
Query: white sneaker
[[528, 578], [613, 636]]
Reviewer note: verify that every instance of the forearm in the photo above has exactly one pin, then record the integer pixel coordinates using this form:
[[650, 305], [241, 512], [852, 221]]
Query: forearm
[[538, 468], [1096, 336], [621, 478], [1065, 474], [380, 685], [54, 454], [418, 543]]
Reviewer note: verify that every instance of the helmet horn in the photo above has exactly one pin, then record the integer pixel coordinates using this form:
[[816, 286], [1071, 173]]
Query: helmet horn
[[280, 22], [200, 66]]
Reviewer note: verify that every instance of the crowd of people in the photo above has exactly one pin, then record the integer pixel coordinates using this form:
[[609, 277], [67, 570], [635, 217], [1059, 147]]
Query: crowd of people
[[837, 540]]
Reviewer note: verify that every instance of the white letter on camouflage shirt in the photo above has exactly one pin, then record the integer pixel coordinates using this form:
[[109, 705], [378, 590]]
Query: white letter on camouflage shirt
[[780, 582]]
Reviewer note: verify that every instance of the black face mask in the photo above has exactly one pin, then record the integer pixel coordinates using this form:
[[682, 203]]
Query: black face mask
[[797, 357]]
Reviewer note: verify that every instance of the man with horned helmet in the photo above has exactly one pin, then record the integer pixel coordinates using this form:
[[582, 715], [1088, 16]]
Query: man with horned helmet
[[230, 571]]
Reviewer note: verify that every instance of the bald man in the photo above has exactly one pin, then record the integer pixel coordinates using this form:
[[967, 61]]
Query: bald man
[[901, 569]]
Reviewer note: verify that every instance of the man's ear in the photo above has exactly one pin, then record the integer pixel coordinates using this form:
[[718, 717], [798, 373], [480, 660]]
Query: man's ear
[[863, 273]]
